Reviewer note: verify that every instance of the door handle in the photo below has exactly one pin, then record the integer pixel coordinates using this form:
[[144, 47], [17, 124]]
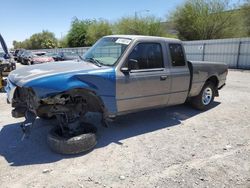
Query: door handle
[[163, 78]]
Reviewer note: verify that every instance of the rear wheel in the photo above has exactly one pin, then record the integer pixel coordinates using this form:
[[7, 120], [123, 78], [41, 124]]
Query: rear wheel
[[205, 98]]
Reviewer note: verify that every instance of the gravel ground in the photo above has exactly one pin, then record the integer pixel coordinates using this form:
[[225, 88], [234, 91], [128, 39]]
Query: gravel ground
[[171, 147]]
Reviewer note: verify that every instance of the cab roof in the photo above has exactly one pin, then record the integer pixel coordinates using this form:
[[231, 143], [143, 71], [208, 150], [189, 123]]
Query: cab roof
[[134, 37]]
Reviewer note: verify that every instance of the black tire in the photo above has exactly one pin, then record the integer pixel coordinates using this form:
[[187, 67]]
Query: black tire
[[198, 102], [85, 141]]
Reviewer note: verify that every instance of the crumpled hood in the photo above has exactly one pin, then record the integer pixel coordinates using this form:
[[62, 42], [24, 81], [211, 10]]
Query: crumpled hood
[[23, 75]]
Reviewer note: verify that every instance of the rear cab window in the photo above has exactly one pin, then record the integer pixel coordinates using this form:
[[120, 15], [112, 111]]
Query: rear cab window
[[177, 55]]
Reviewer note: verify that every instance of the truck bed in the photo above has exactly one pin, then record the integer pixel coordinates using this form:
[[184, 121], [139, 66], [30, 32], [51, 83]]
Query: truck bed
[[200, 71]]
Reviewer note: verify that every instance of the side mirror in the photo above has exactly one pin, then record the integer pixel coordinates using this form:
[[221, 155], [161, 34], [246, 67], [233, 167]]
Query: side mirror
[[125, 70], [131, 64]]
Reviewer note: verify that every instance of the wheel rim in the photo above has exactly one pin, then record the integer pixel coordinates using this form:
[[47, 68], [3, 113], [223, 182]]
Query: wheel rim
[[207, 96]]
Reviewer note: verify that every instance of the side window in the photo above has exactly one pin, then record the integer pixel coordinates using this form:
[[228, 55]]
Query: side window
[[146, 56], [177, 55]]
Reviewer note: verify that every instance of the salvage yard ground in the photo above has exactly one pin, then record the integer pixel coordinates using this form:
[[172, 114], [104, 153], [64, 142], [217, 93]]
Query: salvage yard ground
[[171, 147]]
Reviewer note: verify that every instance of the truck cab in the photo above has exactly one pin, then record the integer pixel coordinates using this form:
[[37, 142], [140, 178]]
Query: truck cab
[[153, 72]]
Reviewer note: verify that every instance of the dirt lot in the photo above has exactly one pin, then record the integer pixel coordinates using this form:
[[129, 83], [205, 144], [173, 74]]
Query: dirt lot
[[172, 147]]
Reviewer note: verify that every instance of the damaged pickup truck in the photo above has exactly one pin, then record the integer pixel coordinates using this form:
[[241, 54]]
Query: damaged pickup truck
[[120, 74]]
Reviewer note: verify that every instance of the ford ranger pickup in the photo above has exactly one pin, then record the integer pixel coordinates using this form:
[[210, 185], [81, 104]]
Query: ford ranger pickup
[[118, 75]]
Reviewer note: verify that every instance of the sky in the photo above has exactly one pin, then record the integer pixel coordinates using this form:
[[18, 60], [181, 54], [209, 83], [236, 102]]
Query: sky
[[21, 18]]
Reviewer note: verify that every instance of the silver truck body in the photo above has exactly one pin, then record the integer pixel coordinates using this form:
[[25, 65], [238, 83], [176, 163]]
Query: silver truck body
[[144, 89]]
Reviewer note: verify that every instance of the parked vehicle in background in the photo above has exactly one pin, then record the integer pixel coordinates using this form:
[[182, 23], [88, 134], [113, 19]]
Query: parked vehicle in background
[[15, 53], [52, 54], [30, 58], [6, 64], [64, 56], [120, 74], [19, 55], [2, 54], [25, 56]]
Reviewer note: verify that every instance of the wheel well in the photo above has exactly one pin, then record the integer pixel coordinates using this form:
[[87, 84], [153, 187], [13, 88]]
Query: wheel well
[[214, 80], [74, 101]]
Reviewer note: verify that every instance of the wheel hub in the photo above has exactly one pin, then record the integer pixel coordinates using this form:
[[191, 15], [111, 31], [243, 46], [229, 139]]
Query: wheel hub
[[207, 96]]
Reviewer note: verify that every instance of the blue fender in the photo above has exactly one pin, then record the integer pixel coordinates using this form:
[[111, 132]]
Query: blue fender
[[101, 82]]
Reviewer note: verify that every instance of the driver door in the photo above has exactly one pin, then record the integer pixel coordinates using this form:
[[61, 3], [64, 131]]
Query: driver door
[[148, 83]]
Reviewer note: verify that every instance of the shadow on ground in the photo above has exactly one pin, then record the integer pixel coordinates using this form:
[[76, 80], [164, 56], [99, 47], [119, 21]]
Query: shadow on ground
[[34, 150]]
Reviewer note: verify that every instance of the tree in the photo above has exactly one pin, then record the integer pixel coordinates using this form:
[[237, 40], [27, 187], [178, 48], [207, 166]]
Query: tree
[[96, 30], [17, 44], [42, 40], [203, 19], [63, 42], [140, 26], [246, 16], [77, 34]]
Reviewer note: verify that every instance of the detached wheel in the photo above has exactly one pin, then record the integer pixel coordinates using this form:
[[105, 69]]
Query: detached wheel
[[85, 140], [205, 98]]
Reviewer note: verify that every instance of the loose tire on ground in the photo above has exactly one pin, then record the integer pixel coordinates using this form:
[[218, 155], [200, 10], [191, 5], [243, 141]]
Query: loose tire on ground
[[198, 101], [85, 141]]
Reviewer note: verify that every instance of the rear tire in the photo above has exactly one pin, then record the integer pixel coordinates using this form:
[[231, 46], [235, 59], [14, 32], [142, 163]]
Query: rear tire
[[204, 100], [83, 142]]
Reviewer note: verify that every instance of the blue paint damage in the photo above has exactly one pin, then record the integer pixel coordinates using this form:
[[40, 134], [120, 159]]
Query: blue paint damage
[[101, 81]]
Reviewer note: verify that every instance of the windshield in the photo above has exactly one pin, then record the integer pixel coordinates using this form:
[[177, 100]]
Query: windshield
[[107, 50]]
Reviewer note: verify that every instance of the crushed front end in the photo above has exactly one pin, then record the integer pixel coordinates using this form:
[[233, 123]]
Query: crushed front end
[[67, 107]]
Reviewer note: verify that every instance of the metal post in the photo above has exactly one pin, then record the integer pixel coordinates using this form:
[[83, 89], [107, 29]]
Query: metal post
[[203, 52], [238, 55]]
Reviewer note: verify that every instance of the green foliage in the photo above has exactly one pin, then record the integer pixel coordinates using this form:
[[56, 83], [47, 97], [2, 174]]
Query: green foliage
[[96, 30], [140, 26], [245, 14], [17, 44], [63, 42], [77, 34], [42, 40], [204, 19], [238, 28]]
